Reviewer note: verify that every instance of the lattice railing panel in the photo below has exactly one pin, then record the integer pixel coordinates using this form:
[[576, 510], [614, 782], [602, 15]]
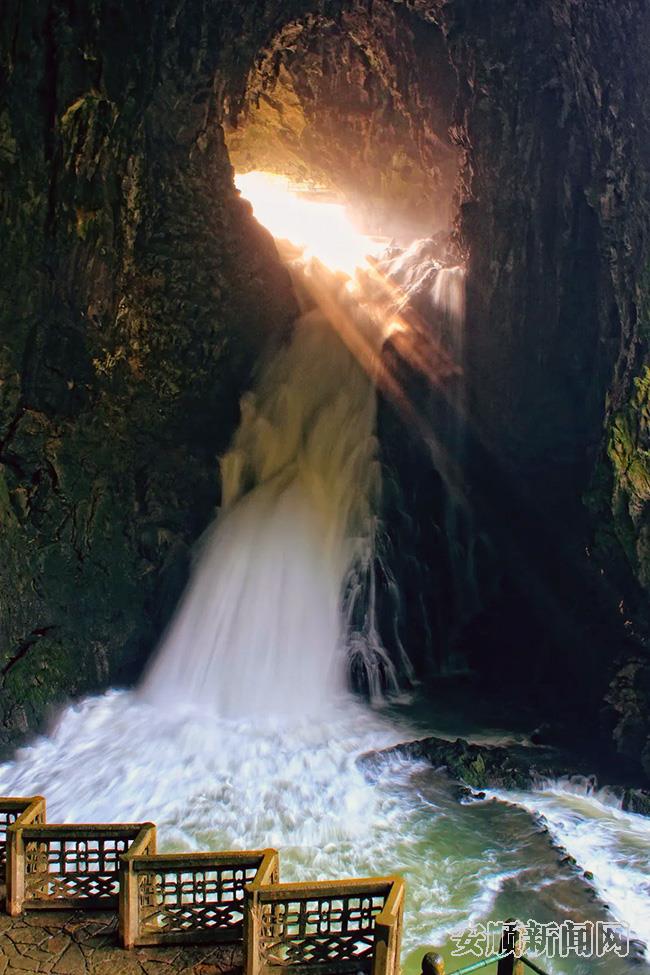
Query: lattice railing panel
[[184, 901], [11, 810], [61, 866], [185, 897], [7, 817], [80, 868], [318, 930]]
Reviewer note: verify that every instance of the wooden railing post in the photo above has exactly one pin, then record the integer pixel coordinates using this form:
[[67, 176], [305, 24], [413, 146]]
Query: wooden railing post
[[384, 954], [128, 904], [433, 964], [128, 897], [252, 931], [15, 870], [35, 812], [511, 942], [388, 931]]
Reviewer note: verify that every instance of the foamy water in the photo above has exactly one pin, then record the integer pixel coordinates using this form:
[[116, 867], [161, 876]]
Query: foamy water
[[243, 735], [215, 783], [612, 845]]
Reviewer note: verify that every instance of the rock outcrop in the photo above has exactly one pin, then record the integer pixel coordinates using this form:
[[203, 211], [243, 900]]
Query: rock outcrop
[[512, 767]]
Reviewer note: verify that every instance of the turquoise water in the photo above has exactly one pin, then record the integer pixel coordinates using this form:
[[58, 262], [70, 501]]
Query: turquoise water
[[216, 784]]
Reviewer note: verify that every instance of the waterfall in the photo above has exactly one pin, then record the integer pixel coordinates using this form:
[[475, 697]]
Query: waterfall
[[261, 628], [448, 297], [280, 603], [448, 294]]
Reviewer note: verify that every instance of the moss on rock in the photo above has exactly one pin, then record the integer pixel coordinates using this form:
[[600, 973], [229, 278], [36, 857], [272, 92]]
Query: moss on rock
[[628, 450]]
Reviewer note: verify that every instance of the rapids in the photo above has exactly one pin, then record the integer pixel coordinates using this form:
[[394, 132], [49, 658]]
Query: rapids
[[212, 782], [243, 734]]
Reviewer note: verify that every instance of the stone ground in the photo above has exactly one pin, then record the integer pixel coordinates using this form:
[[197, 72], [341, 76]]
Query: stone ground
[[80, 943]]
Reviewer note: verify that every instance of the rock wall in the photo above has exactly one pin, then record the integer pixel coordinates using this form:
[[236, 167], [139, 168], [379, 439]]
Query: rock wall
[[553, 111], [136, 290]]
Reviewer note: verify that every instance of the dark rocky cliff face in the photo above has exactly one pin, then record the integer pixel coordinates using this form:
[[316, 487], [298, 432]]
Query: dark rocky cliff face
[[136, 291], [554, 107]]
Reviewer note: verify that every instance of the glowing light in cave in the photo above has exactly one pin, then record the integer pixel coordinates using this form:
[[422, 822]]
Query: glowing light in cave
[[322, 229], [370, 306]]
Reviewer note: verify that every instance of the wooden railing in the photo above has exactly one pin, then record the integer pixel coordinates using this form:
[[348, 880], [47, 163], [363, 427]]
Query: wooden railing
[[177, 898], [333, 927], [69, 866], [330, 927], [28, 810], [324, 927]]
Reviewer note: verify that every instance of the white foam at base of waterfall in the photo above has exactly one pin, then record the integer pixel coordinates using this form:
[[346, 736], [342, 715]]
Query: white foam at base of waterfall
[[219, 783]]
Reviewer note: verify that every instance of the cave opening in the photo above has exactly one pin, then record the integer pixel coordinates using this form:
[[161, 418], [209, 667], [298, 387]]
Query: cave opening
[[363, 108], [462, 387], [358, 117], [365, 112]]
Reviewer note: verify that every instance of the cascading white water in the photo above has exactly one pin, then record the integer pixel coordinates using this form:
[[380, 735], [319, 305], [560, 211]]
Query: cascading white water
[[261, 629], [611, 845], [448, 293]]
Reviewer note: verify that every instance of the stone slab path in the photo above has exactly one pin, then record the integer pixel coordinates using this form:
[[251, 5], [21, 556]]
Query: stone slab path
[[81, 943]]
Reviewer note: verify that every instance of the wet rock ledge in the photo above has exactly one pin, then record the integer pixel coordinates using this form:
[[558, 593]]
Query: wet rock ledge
[[478, 767]]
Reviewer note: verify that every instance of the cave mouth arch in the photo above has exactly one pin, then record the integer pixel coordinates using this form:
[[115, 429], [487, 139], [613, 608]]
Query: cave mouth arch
[[494, 145], [361, 105], [141, 289]]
